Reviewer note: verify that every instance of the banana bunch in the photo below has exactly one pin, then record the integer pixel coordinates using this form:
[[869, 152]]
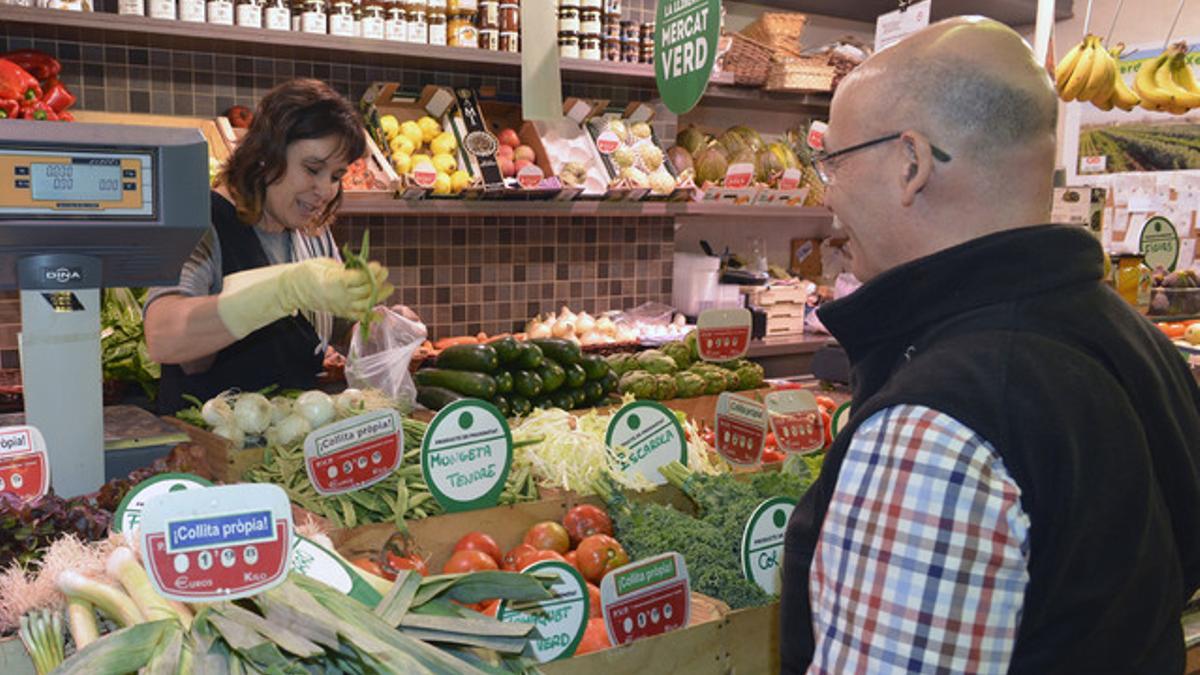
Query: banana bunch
[[1089, 72], [1166, 83]]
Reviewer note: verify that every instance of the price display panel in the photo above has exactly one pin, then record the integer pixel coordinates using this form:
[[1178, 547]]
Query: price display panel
[[36, 183]]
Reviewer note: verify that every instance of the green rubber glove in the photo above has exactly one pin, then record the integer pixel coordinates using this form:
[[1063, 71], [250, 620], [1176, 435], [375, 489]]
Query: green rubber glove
[[255, 298]]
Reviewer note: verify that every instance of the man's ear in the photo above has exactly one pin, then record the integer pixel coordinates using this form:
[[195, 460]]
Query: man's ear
[[917, 168]]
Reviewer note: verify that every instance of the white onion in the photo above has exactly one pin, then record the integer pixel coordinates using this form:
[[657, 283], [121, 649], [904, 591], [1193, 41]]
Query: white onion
[[349, 403], [563, 329], [231, 433], [216, 411], [566, 315], [606, 326], [291, 430], [584, 323], [281, 407], [316, 407], [252, 413], [539, 330]]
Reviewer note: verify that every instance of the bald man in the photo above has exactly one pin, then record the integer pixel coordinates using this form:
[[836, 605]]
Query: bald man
[[1018, 487]]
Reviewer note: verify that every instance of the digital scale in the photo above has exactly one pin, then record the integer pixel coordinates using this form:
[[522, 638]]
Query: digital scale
[[84, 206]]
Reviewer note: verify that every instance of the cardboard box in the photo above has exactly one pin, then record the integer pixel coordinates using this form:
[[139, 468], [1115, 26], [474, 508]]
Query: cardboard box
[[633, 114], [384, 98], [805, 259], [500, 115]]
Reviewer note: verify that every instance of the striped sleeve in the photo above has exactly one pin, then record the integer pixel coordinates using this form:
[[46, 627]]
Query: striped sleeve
[[922, 560], [200, 274]]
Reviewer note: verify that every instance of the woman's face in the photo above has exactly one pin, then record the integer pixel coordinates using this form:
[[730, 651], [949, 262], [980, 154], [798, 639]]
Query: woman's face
[[298, 199]]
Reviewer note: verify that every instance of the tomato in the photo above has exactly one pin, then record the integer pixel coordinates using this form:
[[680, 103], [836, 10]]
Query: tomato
[[826, 403], [549, 536], [594, 609], [515, 559], [469, 561], [489, 607], [369, 565], [539, 556], [770, 442], [827, 420], [412, 562], [595, 638], [772, 456], [572, 559], [585, 520], [478, 541], [598, 555]]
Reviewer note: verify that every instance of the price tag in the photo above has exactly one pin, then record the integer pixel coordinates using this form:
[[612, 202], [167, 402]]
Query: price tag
[[217, 543], [894, 26], [560, 621], [24, 467], [790, 180], [816, 135], [424, 174], [607, 142], [741, 428], [466, 455], [530, 176], [646, 598], [1093, 164], [129, 511], [723, 334], [796, 420], [739, 176], [841, 417], [316, 562], [762, 543], [354, 453], [651, 434]]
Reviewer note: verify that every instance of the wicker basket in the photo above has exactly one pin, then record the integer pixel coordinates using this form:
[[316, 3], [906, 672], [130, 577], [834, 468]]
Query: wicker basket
[[779, 30], [749, 60], [801, 74]]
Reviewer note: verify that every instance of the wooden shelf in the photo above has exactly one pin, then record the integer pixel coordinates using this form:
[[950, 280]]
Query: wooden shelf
[[809, 344], [379, 205]]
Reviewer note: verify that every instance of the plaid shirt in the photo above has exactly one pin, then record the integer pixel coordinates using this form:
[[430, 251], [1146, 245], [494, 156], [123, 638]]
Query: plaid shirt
[[922, 560]]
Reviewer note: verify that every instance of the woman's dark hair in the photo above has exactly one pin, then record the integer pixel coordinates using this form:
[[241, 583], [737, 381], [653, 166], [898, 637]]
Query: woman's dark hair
[[293, 111]]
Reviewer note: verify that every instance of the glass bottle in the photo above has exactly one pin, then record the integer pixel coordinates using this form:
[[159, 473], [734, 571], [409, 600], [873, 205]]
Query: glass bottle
[[463, 15], [341, 18], [161, 9], [418, 28], [220, 12], [131, 7], [249, 13], [395, 27], [191, 10], [438, 23], [312, 17], [373, 19], [589, 47], [568, 44], [277, 15], [510, 41]]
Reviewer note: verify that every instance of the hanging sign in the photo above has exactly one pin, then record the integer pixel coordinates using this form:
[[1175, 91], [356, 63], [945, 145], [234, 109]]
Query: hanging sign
[[723, 334], [129, 511], [354, 453], [316, 562], [651, 434], [896, 25], [466, 455], [24, 466], [217, 543], [741, 428], [646, 598], [1159, 244], [796, 420], [685, 49], [762, 543], [560, 620], [841, 417]]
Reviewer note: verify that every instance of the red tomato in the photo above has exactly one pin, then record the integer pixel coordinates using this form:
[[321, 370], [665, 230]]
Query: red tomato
[[772, 456], [595, 638], [770, 442], [585, 520], [478, 541], [369, 565], [488, 607], [594, 601], [412, 562], [469, 561], [827, 419], [826, 403], [539, 556], [549, 536], [598, 555], [572, 559], [515, 559]]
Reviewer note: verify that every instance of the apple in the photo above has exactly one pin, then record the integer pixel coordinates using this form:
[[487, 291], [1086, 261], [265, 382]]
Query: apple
[[507, 167], [521, 164], [508, 137], [239, 116], [523, 152], [505, 151]]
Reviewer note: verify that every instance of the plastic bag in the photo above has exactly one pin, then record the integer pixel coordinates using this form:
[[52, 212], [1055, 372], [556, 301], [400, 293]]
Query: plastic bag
[[382, 363]]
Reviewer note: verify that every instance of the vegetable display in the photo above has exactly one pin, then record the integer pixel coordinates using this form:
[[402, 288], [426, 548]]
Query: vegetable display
[[123, 353], [30, 88], [675, 371]]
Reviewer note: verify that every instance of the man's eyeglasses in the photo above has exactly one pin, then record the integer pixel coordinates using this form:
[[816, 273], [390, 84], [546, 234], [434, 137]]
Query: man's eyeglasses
[[822, 159]]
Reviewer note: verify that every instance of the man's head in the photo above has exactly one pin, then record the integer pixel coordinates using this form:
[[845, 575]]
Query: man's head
[[975, 116]]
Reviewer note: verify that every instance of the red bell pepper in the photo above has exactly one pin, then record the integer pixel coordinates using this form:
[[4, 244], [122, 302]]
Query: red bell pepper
[[38, 110], [66, 116], [17, 84], [37, 63], [8, 109], [57, 96]]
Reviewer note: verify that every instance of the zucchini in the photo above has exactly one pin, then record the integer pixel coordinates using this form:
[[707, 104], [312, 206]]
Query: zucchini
[[580, 397], [475, 358], [530, 357], [502, 404], [544, 402], [610, 382], [504, 382], [526, 383], [563, 351], [595, 366], [507, 349], [594, 391], [474, 385], [552, 376], [436, 398], [520, 405], [575, 375], [563, 399]]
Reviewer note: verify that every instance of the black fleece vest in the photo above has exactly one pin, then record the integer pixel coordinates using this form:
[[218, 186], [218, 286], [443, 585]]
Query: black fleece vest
[[1093, 412], [281, 353]]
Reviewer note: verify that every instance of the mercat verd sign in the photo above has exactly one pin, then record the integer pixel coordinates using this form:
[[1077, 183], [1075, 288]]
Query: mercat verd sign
[[685, 48]]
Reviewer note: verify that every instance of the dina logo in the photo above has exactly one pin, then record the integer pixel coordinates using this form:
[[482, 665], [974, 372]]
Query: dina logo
[[63, 275]]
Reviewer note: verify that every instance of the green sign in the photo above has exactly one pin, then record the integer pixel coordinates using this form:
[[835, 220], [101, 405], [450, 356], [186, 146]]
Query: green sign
[[1159, 244], [129, 511], [762, 543], [466, 455], [685, 48], [560, 621], [650, 436]]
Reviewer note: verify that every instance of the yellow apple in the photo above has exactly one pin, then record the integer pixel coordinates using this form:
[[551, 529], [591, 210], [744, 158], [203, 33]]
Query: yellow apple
[[445, 163]]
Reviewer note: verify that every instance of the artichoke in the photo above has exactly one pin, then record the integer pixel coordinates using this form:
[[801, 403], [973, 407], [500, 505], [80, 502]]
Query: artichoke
[[680, 352], [664, 387], [750, 376], [639, 383], [688, 384], [621, 362], [654, 361]]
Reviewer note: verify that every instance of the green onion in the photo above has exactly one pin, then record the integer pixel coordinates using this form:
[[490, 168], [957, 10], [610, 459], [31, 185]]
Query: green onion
[[362, 261], [41, 633]]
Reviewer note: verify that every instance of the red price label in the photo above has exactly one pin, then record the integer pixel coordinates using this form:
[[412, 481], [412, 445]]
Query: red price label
[[424, 175], [723, 334], [741, 428], [739, 176], [796, 421], [24, 468], [646, 598], [530, 176], [607, 143], [790, 179], [816, 135], [354, 453]]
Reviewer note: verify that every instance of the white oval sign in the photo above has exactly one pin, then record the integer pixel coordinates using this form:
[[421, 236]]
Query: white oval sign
[[762, 543], [560, 620], [652, 437], [466, 455]]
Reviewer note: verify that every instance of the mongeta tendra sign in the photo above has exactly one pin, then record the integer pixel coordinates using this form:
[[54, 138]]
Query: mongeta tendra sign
[[685, 49]]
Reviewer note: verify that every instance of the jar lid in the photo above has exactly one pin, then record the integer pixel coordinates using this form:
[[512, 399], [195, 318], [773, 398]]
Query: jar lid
[[567, 34]]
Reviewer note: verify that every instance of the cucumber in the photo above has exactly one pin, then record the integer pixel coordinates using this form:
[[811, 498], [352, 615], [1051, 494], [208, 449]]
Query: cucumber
[[475, 358], [526, 383], [575, 375], [474, 385], [520, 405], [436, 398], [507, 348], [563, 399], [595, 366], [610, 382], [580, 397], [504, 382], [563, 351], [594, 391], [502, 404], [544, 402], [530, 357], [552, 376]]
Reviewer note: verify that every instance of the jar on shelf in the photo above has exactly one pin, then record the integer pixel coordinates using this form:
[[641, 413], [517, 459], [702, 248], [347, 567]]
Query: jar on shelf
[[1133, 280], [249, 13], [341, 18], [374, 18], [191, 10], [568, 44], [612, 48], [612, 8], [510, 41], [418, 22], [510, 17], [131, 7], [611, 28], [646, 30], [311, 17], [631, 31], [277, 15], [568, 16], [631, 51], [589, 47], [463, 15], [489, 15], [647, 44], [358, 14], [438, 23], [589, 22], [161, 9], [395, 23]]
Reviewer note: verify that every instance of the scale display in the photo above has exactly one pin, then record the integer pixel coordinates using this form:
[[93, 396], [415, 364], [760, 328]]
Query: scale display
[[48, 183]]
